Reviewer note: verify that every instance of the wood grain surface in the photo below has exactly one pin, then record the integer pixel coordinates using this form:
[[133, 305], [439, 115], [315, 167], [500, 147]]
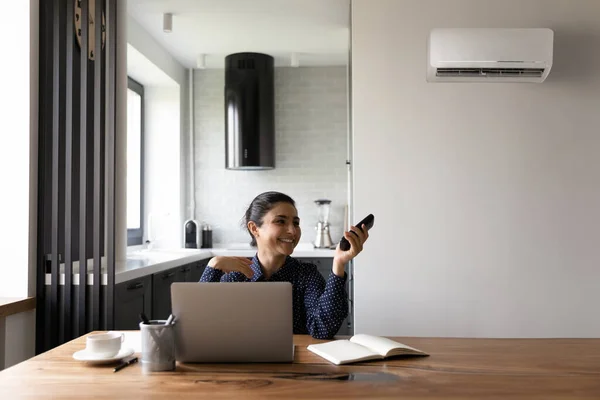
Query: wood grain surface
[[456, 369], [10, 305]]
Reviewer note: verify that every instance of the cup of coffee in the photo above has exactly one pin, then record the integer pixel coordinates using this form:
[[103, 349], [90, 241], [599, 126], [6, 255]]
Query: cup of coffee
[[104, 345]]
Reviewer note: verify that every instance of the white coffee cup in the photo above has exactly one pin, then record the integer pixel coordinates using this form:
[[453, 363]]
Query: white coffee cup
[[104, 345]]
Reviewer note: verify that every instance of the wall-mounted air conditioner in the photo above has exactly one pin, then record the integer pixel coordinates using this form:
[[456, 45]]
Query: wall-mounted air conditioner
[[489, 55]]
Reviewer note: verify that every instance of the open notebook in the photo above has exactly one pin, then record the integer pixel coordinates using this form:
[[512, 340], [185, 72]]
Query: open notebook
[[361, 348]]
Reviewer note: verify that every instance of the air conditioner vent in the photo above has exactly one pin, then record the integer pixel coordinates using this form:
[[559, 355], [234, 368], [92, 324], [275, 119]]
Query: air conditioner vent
[[489, 54], [490, 72], [247, 63]]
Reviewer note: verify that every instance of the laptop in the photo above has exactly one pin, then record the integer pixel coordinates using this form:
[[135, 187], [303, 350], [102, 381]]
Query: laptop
[[233, 321]]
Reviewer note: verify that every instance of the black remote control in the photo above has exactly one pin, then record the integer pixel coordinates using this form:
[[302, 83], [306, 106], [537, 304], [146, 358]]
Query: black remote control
[[368, 221]]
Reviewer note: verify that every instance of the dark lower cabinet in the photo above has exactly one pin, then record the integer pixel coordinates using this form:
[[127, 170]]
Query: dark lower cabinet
[[161, 285], [324, 266], [132, 298], [161, 292], [184, 273], [151, 294], [197, 270]]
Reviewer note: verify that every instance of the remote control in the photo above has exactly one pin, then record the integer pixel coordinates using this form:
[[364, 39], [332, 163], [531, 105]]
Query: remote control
[[368, 221]]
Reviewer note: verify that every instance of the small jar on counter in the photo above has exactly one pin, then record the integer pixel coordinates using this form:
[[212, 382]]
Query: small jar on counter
[[206, 237]]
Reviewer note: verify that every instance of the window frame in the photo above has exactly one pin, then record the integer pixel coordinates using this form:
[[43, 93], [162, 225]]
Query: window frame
[[136, 236]]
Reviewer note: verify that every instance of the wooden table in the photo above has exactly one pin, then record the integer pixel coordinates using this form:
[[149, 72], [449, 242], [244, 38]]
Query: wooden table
[[457, 369]]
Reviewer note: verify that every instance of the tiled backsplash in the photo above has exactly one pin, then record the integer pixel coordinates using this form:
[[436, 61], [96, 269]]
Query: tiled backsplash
[[311, 143]]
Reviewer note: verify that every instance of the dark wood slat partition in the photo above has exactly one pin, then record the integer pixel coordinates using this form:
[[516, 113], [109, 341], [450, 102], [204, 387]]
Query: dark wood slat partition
[[76, 207]]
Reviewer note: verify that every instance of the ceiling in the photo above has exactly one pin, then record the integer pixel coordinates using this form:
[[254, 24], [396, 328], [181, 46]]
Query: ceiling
[[317, 30], [144, 71]]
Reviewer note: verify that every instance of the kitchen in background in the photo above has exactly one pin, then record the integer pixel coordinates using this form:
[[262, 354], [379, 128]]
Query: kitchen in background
[[310, 155], [310, 151]]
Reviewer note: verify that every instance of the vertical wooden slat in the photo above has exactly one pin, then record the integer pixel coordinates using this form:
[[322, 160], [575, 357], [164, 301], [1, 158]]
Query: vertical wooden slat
[[111, 22], [54, 255], [68, 312], [44, 171], [83, 183], [41, 298], [97, 163]]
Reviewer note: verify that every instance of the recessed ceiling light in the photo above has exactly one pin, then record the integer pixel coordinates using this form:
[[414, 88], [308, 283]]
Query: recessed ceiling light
[[201, 61], [168, 22], [294, 62]]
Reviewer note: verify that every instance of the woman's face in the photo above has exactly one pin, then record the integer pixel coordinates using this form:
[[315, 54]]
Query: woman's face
[[280, 231]]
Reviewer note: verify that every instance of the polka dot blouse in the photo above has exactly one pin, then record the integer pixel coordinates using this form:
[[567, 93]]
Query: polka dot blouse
[[319, 306]]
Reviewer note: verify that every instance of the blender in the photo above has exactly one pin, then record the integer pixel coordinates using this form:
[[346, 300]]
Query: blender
[[323, 239]]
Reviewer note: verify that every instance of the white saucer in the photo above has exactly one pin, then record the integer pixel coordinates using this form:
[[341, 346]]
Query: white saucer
[[83, 355]]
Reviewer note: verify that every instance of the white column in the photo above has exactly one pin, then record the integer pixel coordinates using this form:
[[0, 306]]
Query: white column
[[34, 14]]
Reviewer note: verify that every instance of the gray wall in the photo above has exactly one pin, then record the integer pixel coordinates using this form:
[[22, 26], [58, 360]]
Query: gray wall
[[488, 195], [311, 142]]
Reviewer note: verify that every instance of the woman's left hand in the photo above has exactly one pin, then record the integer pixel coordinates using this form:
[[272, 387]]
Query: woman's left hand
[[356, 239]]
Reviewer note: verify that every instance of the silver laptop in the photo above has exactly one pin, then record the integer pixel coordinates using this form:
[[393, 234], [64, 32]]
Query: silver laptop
[[233, 321]]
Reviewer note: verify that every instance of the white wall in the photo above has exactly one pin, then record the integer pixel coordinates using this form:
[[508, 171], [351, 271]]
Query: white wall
[[486, 196], [18, 122], [20, 338], [162, 166], [18, 175], [310, 151]]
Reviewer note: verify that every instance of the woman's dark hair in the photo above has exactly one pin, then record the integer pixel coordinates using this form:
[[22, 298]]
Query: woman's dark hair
[[262, 204]]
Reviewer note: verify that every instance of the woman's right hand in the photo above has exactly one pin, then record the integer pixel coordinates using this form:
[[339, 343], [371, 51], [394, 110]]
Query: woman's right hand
[[231, 264]]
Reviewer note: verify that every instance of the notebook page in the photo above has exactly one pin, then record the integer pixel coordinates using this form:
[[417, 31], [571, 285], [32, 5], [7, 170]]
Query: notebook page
[[342, 351], [380, 344]]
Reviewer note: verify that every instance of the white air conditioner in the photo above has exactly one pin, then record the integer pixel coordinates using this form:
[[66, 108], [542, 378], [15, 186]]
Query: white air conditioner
[[489, 55]]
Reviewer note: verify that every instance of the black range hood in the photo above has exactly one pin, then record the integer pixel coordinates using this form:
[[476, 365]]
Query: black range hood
[[249, 112]]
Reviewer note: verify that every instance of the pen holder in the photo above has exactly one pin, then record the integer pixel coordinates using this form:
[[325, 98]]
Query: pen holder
[[158, 346]]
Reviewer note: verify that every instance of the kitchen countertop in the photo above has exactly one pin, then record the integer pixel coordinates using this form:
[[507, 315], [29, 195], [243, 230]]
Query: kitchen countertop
[[145, 262]]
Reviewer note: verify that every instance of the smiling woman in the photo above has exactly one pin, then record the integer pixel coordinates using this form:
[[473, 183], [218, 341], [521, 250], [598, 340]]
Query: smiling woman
[[274, 226]]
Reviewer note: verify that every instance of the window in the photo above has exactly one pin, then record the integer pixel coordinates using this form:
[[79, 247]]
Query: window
[[135, 162]]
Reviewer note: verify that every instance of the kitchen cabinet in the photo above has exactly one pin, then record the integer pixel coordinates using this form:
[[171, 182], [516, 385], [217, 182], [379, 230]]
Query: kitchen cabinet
[[161, 285], [132, 298], [161, 291], [197, 270], [324, 265], [184, 273]]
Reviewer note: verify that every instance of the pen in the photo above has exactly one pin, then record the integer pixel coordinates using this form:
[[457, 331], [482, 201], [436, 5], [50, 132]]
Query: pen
[[144, 318], [170, 319], [125, 363]]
